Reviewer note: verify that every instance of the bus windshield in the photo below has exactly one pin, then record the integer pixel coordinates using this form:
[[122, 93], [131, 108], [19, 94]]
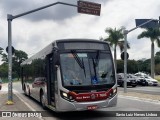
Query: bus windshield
[[87, 68]]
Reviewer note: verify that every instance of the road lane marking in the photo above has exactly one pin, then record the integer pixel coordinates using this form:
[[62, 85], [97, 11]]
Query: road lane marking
[[19, 96]]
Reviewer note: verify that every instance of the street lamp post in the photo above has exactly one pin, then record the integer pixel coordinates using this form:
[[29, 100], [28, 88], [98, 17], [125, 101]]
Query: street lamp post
[[92, 10], [9, 19], [10, 99], [125, 32]]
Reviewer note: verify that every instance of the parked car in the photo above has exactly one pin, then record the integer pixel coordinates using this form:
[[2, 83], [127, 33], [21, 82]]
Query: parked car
[[0, 84], [131, 81], [142, 81], [151, 81]]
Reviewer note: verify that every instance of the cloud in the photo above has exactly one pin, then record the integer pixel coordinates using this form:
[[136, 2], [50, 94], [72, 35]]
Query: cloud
[[56, 13], [33, 32]]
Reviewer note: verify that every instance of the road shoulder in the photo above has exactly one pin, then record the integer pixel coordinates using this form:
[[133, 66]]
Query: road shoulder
[[140, 96], [17, 106]]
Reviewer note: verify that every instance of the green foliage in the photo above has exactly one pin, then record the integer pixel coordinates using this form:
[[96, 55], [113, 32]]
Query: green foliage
[[114, 38], [132, 66], [157, 77], [120, 66], [153, 34], [144, 65], [4, 70], [115, 35], [35, 69], [157, 69], [158, 53], [1, 50], [17, 59]]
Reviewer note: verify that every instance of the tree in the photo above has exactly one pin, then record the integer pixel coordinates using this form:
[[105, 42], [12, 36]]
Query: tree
[[4, 70], [132, 66], [1, 50], [18, 57], [115, 39], [158, 53], [153, 34], [120, 66], [157, 69]]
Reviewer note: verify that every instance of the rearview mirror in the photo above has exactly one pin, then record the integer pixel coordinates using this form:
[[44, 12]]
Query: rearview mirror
[[56, 55]]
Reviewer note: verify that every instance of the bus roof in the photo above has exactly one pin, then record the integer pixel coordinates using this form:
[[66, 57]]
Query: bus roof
[[49, 48]]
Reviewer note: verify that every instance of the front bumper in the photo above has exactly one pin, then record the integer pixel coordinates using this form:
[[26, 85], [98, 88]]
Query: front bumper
[[64, 105]]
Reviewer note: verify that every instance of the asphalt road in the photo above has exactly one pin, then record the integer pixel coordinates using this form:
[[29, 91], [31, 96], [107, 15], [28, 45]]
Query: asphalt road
[[124, 104], [153, 90]]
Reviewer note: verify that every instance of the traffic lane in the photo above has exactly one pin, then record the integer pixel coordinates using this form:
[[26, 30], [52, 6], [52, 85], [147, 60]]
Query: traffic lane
[[94, 115], [124, 104], [18, 86], [4, 87], [143, 89]]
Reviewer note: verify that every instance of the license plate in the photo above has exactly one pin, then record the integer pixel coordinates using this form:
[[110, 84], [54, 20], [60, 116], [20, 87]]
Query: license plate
[[93, 107]]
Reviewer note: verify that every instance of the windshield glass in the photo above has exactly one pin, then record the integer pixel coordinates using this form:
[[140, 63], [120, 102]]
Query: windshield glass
[[92, 68]]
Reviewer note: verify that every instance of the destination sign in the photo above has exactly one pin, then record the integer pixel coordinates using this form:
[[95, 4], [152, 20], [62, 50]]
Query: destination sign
[[89, 8]]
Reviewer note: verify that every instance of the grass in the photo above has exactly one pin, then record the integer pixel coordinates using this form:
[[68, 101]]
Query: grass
[[5, 80], [157, 77]]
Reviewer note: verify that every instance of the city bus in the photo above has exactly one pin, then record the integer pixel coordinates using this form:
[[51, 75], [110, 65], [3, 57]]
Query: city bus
[[71, 75]]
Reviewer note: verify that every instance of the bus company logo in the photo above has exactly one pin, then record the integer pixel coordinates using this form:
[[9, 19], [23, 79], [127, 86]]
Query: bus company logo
[[6, 114], [93, 96]]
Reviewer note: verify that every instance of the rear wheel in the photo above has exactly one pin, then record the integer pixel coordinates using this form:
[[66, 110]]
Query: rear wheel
[[134, 85], [42, 100]]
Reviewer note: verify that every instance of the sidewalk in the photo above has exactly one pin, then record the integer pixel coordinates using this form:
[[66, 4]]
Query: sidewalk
[[20, 106], [15, 110], [142, 96], [17, 106]]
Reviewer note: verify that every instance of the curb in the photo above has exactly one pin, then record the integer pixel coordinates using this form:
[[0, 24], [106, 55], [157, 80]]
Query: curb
[[139, 99]]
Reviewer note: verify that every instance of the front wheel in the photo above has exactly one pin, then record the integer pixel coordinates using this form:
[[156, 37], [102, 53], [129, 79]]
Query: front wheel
[[42, 100], [27, 91]]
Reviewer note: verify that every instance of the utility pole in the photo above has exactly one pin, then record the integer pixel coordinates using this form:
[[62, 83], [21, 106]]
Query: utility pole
[[10, 19], [93, 9], [125, 32]]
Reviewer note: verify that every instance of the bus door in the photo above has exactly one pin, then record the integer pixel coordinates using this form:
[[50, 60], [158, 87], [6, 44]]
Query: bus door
[[51, 80]]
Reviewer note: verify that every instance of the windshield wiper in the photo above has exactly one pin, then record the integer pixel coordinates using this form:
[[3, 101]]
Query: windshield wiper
[[77, 58], [97, 58]]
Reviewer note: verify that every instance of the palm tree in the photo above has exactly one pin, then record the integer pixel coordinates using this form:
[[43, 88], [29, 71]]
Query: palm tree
[[1, 50], [153, 34], [115, 39]]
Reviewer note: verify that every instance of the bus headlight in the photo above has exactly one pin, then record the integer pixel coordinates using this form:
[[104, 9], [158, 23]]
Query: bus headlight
[[66, 96], [113, 93]]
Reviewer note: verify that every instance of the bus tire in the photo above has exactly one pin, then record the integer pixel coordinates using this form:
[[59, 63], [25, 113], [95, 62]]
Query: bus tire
[[42, 100], [25, 92]]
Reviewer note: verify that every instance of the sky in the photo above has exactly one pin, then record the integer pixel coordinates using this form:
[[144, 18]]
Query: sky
[[33, 32]]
